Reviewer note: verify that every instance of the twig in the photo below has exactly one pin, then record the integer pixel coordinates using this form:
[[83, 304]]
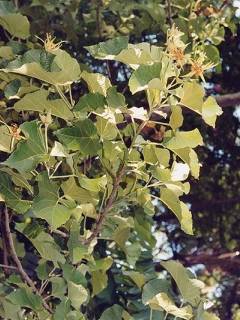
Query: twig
[[14, 256], [108, 206], [7, 267], [98, 20], [61, 233], [62, 95], [4, 248], [169, 12], [116, 183]]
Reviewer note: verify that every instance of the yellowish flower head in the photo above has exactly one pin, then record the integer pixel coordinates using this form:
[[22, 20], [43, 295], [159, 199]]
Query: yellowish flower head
[[50, 45], [198, 65], [175, 46]]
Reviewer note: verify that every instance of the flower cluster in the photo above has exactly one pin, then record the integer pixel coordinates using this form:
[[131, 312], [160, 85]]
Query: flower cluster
[[176, 50]]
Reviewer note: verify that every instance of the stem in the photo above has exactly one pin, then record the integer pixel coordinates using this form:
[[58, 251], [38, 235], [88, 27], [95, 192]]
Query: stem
[[70, 95], [5, 264], [46, 136], [16, 260], [60, 233], [108, 206], [169, 12], [165, 316], [55, 169], [59, 177], [151, 314], [116, 183], [62, 95], [8, 267]]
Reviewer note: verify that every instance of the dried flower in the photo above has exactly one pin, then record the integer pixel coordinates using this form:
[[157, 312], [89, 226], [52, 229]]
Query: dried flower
[[49, 44], [175, 46], [198, 66], [15, 131]]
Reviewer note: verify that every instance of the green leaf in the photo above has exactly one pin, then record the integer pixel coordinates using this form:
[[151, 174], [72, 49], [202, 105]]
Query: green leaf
[[96, 82], [25, 298], [47, 247], [115, 312], [16, 24], [29, 152], [10, 196], [106, 129], [58, 287], [38, 101], [75, 192], [73, 274], [12, 88], [115, 99], [99, 281], [179, 208], [62, 309], [46, 206], [162, 301], [153, 287], [188, 290], [209, 316], [210, 111], [58, 150], [154, 155], [193, 94], [102, 264], [137, 277], [77, 294], [68, 66], [6, 52], [140, 78], [132, 252], [5, 142], [108, 49], [89, 102], [81, 137], [176, 118], [153, 77], [189, 156], [9, 310], [183, 139]]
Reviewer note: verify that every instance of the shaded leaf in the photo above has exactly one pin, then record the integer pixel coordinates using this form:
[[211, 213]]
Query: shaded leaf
[[29, 152], [77, 294], [68, 67], [162, 301], [188, 290], [25, 298], [108, 49], [179, 208], [80, 137], [183, 139], [46, 206], [38, 101], [10, 196]]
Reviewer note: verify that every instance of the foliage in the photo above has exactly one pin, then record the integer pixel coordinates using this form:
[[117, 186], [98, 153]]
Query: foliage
[[80, 181]]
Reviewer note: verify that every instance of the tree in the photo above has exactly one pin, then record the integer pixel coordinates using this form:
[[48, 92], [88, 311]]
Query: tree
[[80, 175]]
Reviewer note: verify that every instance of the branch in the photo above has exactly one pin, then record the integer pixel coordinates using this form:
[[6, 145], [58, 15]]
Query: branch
[[108, 206], [169, 12], [116, 184], [16, 260], [228, 100]]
